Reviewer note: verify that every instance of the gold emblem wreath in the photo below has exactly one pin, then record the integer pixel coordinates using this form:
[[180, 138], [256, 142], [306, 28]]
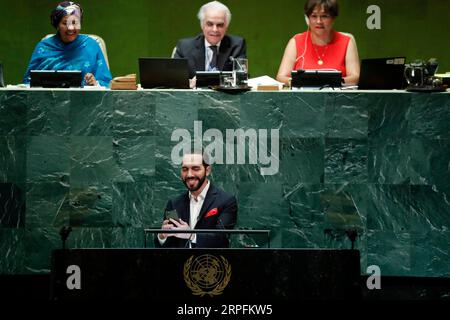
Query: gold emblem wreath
[[196, 289]]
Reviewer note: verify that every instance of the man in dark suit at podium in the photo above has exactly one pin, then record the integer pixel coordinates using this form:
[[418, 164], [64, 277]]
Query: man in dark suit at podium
[[203, 206], [211, 50]]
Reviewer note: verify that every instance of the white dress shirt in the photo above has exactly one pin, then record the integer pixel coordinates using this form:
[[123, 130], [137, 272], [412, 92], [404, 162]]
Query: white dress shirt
[[195, 206]]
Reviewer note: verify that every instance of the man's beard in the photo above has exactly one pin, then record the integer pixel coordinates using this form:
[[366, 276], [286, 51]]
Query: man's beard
[[199, 183]]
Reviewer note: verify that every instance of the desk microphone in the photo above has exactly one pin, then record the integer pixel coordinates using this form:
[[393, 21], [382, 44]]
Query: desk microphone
[[221, 223], [223, 228], [64, 234]]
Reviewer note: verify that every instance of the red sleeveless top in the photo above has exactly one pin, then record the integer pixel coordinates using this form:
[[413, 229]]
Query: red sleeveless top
[[331, 55]]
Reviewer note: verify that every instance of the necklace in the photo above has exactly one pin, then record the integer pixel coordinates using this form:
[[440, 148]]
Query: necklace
[[320, 57]]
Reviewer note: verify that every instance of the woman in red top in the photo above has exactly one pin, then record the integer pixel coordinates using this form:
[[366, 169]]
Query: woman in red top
[[321, 47]]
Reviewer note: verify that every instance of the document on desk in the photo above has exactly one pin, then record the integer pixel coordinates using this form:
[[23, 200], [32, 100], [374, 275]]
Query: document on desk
[[264, 81]]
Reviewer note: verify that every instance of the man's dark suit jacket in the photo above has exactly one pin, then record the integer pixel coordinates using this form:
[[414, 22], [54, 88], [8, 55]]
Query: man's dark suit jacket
[[216, 200], [194, 50]]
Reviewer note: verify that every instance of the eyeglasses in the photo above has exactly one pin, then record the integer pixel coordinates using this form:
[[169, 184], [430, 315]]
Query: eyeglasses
[[321, 17]]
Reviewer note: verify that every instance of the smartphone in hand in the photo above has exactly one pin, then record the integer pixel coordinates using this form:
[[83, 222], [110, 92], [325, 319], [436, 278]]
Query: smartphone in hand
[[171, 214]]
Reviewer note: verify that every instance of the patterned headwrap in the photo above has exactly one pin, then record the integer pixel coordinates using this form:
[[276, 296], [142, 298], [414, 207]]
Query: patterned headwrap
[[63, 9]]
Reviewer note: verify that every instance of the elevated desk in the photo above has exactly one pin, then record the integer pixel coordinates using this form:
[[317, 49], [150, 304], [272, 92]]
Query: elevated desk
[[371, 164]]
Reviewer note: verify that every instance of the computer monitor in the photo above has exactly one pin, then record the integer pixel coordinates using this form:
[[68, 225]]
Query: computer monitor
[[55, 78], [172, 73], [382, 74], [316, 78], [207, 79]]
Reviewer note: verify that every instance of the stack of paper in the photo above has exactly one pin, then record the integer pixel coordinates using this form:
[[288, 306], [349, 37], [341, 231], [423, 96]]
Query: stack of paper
[[127, 82], [264, 83]]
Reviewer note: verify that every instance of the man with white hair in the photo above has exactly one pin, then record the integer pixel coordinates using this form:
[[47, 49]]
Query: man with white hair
[[212, 49]]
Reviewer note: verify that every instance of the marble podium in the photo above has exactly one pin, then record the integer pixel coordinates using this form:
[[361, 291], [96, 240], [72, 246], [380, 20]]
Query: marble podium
[[372, 164]]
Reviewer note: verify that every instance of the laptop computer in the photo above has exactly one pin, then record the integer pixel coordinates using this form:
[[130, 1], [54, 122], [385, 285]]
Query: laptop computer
[[55, 78], [382, 74], [171, 73]]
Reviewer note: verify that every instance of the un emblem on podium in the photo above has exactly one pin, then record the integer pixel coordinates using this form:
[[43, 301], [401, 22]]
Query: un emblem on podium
[[207, 275]]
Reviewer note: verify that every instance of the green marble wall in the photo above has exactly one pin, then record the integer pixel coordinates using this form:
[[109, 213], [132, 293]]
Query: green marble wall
[[98, 161]]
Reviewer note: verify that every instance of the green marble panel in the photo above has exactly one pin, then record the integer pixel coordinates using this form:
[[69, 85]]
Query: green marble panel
[[13, 161], [430, 114], [91, 205], [91, 113], [127, 238], [390, 251], [303, 114], [38, 246], [135, 157], [428, 256], [47, 205], [219, 112], [430, 209], [228, 176], [48, 159], [259, 110], [12, 205], [345, 208], [430, 162], [166, 172], [388, 161], [93, 161], [304, 205], [312, 237], [48, 113], [13, 111], [175, 110], [90, 237], [259, 211], [389, 116], [389, 208], [133, 205], [133, 114], [304, 222], [346, 161], [12, 251], [346, 115], [302, 160], [256, 210], [106, 238]]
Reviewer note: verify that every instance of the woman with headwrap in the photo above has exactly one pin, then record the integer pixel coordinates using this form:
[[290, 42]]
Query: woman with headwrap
[[70, 50]]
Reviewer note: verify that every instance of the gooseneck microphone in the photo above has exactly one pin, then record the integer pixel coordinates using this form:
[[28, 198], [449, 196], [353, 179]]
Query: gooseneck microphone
[[221, 223], [64, 234], [223, 228]]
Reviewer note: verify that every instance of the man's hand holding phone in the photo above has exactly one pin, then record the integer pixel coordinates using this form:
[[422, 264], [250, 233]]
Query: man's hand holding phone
[[180, 225], [173, 222], [168, 224], [171, 214]]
